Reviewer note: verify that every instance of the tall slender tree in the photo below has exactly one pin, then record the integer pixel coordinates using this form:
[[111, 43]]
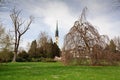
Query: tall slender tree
[[112, 46], [20, 28], [33, 49]]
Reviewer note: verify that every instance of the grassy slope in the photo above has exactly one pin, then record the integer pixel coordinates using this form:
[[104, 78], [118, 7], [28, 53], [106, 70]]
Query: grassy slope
[[56, 71]]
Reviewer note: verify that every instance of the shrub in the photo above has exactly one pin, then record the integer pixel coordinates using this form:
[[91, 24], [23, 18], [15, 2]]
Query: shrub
[[22, 57], [6, 56]]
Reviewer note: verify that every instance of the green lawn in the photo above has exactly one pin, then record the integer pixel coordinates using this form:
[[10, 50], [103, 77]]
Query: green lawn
[[56, 71]]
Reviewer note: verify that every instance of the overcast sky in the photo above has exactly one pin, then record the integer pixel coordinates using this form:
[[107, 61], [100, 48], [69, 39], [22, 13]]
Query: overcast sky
[[104, 14]]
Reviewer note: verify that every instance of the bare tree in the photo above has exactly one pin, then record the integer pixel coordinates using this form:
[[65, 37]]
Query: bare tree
[[43, 39], [20, 28], [5, 38], [2, 32]]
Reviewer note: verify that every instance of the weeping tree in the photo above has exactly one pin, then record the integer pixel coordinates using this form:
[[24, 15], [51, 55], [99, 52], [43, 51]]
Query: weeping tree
[[82, 41]]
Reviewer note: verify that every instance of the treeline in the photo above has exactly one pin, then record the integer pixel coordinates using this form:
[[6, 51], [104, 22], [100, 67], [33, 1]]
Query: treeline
[[43, 49]]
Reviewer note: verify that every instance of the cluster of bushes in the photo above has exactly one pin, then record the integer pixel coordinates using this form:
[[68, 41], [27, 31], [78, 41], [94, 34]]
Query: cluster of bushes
[[25, 57], [7, 56], [45, 53]]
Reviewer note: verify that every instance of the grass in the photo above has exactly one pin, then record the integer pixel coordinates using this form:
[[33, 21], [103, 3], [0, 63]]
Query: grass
[[57, 71]]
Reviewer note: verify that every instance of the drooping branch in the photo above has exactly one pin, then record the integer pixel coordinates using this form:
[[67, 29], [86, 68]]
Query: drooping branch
[[82, 39]]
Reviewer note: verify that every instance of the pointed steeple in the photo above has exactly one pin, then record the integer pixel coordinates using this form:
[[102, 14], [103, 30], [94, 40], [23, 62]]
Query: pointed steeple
[[57, 32]]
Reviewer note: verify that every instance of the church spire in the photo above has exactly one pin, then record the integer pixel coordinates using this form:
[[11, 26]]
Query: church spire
[[56, 33]]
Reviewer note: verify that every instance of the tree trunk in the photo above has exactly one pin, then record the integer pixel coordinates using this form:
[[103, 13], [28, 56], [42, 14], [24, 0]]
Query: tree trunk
[[14, 57]]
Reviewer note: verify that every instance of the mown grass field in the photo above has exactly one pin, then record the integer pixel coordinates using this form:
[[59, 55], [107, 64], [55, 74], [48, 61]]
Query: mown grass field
[[57, 71]]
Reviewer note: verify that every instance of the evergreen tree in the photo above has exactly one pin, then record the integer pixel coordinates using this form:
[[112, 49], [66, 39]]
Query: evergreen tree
[[22, 56], [33, 50], [112, 46], [43, 41], [50, 49], [56, 50]]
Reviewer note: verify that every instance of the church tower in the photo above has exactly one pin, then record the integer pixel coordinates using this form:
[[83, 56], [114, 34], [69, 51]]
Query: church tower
[[57, 34]]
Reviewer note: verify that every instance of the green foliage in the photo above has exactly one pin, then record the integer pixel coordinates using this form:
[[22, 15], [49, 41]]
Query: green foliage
[[56, 50], [5, 45], [44, 48], [112, 46], [47, 60], [49, 49], [33, 49], [6, 55], [22, 57], [35, 60], [57, 71], [52, 50]]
